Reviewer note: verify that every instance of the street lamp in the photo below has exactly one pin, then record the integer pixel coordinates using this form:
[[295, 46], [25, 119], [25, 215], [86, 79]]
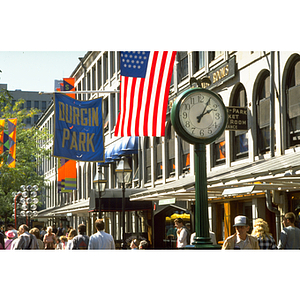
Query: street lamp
[[99, 183], [123, 172], [27, 202]]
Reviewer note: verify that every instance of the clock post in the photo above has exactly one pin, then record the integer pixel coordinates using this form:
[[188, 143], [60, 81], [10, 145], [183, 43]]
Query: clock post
[[202, 239], [199, 117]]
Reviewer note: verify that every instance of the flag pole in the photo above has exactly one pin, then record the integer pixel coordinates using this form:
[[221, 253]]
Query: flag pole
[[80, 92]]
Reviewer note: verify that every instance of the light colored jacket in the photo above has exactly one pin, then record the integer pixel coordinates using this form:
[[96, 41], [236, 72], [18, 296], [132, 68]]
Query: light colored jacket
[[229, 242], [101, 240]]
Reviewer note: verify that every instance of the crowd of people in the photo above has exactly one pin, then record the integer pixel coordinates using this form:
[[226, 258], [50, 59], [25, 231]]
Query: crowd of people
[[260, 237], [60, 239], [71, 239]]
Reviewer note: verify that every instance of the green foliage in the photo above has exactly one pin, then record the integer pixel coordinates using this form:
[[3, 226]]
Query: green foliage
[[28, 152]]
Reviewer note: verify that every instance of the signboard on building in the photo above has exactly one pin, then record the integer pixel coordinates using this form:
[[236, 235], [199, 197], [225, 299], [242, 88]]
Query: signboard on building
[[221, 74], [237, 118]]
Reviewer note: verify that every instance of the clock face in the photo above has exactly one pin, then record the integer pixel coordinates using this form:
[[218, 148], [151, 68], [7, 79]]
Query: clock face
[[202, 115]]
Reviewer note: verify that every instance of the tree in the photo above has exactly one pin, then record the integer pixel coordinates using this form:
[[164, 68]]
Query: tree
[[28, 151]]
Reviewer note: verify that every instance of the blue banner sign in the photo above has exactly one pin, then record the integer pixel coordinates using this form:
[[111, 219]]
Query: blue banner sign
[[78, 132]]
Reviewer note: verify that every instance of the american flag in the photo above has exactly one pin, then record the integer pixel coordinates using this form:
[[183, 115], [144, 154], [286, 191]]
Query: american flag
[[144, 90]]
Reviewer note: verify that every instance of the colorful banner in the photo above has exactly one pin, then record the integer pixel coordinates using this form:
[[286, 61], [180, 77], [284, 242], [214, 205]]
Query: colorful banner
[[67, 175], [2, 122], [68, 85], [78, 133], [12, 135]]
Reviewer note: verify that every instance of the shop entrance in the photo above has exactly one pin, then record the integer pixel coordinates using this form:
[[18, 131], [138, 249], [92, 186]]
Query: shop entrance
[[164, 230]]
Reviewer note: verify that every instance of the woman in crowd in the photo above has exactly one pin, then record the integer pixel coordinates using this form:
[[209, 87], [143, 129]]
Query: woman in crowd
[[71, 235], [10, 236], [264, 237], [35, 231], [49, 239]]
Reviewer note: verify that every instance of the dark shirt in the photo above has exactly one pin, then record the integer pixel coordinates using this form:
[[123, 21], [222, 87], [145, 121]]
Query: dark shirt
[[2, 246], [80, 242]]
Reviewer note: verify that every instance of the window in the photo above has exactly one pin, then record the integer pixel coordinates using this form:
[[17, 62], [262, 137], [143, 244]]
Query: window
[[292, 88], [112, 109], [44, 105], [89, 84], [182, 67], [198, 61], [148, 160], [28, 104], [79, 89], [212, 55], [105, 67], [185, 156], [94, 78], [36, 104], [159, 164], [105, 114], [263, 113], [219, 153], [239, 139], [35, 118], [99, 72], [112, 63], [170, 144]]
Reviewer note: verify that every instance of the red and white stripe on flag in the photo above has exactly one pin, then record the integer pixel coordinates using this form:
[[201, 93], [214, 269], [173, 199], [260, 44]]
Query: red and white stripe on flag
[[144, 100]]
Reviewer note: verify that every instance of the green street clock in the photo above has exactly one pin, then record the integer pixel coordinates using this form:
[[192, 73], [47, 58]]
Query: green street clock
[[199, 116]]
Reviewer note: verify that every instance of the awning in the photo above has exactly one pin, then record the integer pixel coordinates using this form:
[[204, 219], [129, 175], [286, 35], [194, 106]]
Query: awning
[[248, 179], [111, 201], [46, 213], [121, 147]]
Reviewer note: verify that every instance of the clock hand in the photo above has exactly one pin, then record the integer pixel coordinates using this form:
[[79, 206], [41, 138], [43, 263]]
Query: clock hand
[[208, 111], [203, 112]]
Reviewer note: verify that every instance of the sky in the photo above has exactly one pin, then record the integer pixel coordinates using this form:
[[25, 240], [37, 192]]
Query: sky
[[36, 70]]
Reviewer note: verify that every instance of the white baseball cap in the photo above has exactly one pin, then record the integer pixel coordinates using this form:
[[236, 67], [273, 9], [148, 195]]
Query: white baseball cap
[[240, 221]]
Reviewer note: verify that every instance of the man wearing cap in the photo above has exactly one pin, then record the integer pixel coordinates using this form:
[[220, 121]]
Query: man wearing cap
[[241, 239]]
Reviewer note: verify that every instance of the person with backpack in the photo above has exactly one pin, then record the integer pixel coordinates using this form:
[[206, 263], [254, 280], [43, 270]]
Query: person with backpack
[[26, 240], [80, 241], [182, 233]]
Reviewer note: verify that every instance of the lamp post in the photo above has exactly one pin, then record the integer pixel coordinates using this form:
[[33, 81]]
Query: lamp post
[[123, 172], [26, 200], [99, 183]]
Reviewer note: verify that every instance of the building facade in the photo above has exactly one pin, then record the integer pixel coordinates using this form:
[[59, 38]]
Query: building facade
[[252, 171], [32, 100]]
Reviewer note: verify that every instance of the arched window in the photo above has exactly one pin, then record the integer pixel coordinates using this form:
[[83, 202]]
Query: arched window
[[238, 138], [262, 102], [292, 102], [170, 144]]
